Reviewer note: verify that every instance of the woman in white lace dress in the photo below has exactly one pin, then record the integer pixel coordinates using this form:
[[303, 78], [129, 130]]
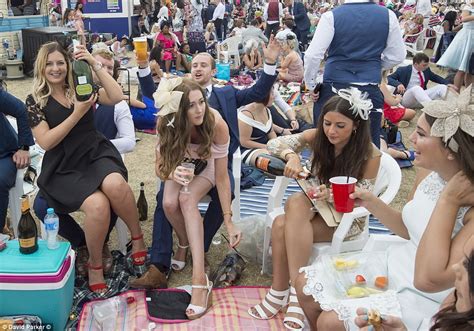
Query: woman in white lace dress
[[341, 145], [444, 145]]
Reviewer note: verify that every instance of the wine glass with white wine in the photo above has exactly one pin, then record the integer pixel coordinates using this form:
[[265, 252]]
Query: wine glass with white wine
[[188, 175]]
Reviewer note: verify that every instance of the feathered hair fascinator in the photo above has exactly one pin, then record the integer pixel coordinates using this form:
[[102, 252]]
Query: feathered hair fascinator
[[166, 99], [360, 104], [455, 112]]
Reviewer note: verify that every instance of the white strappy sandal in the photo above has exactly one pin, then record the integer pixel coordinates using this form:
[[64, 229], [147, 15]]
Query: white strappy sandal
[[178, 265], [271, 297], [198, 310], [293, 309]]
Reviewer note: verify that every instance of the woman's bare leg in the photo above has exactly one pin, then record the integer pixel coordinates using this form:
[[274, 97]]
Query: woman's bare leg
[[188, 202], [121, 199], [96, 223], [459, 79], [302, 228], [280, 263], [175, 216]]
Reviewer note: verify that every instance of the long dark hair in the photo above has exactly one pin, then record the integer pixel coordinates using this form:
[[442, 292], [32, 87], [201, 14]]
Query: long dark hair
[[448, 318], [450, 17], [351, 161], [465, 153], [155, 54]]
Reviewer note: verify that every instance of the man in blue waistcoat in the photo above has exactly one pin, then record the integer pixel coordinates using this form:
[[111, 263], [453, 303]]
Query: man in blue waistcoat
[[361, 38], [14, 148]]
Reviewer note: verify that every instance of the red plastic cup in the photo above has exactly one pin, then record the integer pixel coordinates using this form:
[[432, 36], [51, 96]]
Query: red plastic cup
[[341, 188]]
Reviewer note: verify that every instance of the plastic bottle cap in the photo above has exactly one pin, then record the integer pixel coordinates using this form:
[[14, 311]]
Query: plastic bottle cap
[[50, 210]]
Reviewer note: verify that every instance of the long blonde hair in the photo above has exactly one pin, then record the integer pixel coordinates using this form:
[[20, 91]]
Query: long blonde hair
[[41, 87], [174, 139]]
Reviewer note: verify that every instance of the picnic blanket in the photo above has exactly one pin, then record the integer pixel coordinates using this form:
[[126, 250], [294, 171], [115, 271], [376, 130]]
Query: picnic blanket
[[228, 312]]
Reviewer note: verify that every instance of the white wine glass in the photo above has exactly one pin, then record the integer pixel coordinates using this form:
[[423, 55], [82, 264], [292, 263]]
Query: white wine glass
[[188, 176]]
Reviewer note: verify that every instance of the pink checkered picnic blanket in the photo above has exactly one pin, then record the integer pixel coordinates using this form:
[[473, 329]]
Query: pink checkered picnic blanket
[[228, 312]]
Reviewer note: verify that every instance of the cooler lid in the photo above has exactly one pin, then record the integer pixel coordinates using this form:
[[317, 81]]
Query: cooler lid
[[43, 261]]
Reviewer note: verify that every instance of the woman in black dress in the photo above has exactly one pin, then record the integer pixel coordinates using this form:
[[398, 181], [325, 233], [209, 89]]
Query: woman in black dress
[[81, 168]]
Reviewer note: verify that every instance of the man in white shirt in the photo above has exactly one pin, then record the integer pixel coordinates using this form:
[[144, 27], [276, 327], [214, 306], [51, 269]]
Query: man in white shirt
[[272, 13], [218, 17], [411, 81], [122, 125], [361, 38]]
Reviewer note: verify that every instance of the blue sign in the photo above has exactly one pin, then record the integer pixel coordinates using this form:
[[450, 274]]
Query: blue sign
[[99, 6]]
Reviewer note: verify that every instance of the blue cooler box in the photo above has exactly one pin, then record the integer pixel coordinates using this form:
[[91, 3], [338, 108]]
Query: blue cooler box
[[39, 284]]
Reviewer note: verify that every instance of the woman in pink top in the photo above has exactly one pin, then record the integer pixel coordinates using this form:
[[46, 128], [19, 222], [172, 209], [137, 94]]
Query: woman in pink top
[[168, 44], [191, 132]]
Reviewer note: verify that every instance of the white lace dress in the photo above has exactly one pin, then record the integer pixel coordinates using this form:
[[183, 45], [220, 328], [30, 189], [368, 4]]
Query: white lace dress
[[402, 299]]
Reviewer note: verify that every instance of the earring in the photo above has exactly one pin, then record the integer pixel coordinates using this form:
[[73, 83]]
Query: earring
[[450, 157]]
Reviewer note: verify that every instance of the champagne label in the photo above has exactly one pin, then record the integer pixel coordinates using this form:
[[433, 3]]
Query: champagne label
[[25, 205], [82, 80], [27, 243], [84, 89], [262, 163]]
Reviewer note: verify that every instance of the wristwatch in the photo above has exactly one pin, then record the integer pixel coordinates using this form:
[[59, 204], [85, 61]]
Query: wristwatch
[[24, 148], [97, 66]]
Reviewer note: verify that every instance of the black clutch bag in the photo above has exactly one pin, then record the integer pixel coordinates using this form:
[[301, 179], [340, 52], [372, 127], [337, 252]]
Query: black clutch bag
[[199, 165]]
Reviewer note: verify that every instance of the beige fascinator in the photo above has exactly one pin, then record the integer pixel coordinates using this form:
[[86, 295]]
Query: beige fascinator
[[167, 100], [455, 112]]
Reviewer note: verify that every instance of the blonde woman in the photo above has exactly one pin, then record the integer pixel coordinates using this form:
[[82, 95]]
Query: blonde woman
[[291, 68], [191, 131], [252, 58], [81, 168]]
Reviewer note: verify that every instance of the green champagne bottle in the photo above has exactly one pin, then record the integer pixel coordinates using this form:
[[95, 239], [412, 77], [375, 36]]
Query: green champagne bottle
[[82, 75]]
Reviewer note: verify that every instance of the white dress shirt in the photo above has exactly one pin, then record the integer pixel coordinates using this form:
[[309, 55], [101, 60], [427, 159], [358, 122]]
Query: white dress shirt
[[219, 12], [414, 78], [125, 139], [393, 54], [265, 13]]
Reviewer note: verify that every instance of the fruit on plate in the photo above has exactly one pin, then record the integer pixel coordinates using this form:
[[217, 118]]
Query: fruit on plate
[[341, 264], [360, 280], [381, 282], [357, 292]]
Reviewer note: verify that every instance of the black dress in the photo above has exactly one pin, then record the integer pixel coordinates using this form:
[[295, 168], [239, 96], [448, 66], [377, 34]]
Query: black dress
[[76, 167]]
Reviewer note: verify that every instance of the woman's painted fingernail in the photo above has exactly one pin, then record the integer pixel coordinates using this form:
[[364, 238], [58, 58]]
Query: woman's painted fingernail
[[383, 317], [364, 317], [370, 328], [365, 310]]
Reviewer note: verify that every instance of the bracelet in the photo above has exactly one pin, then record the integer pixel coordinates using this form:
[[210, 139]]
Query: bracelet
[[270, 64], [227, 213]]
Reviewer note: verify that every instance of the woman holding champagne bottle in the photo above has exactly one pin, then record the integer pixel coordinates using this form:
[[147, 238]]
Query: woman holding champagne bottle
[[341, 145], [191, 156], [81, 168]]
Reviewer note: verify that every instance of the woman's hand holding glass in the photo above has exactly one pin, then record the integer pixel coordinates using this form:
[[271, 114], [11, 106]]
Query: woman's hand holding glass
[[183, 175], [363, 198], [389, 323]]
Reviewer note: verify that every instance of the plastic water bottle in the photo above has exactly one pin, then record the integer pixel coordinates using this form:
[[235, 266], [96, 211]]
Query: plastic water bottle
[[51, 223]]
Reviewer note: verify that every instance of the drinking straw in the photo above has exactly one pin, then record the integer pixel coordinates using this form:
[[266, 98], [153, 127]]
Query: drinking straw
[[347, 181]]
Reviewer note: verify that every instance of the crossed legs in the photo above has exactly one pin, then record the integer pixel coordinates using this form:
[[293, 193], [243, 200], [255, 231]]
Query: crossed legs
[[182, 211], [116, 193]]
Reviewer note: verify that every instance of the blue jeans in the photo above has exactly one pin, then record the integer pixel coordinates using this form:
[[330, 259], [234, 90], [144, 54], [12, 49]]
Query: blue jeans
[[68, 227], [374, 94], [7, 181], [162, 244]]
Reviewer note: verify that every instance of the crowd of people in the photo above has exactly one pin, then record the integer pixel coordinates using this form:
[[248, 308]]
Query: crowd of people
[[356, 79]]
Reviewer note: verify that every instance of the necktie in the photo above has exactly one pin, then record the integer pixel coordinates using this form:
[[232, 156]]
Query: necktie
[[422, 81], [208, 93]]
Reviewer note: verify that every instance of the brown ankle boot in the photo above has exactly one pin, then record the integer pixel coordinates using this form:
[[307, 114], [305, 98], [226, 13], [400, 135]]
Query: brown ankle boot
[[152, 278]]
